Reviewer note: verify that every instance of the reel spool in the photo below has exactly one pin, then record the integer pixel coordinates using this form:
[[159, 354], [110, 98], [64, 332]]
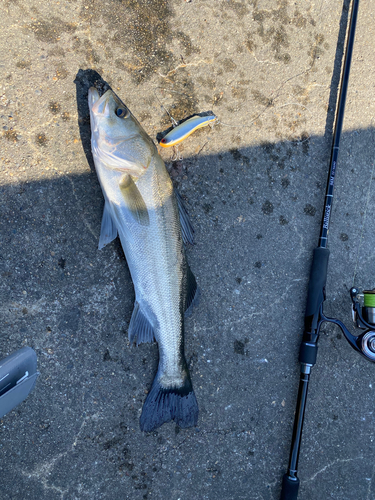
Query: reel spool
[[368, 309], [363, 308]]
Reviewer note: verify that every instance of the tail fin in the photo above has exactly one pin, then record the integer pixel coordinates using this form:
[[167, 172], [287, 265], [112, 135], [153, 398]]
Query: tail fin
[[163, 405]]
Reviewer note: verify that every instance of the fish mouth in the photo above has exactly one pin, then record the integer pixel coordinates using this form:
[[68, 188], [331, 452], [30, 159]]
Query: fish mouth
[[99, 104]]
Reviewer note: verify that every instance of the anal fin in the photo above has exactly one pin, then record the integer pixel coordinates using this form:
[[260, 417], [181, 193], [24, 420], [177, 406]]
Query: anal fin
[[140, 327]]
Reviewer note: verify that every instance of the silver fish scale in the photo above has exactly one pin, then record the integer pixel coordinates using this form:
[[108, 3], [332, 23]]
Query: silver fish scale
[[165, 272], [156, 259]]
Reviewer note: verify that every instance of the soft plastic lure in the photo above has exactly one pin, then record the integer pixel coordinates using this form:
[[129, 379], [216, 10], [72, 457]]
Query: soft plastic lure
[[181, 132]]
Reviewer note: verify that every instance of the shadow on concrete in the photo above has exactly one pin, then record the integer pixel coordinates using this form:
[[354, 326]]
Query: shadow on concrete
[[256, 212], [337, 70], [83, 81]]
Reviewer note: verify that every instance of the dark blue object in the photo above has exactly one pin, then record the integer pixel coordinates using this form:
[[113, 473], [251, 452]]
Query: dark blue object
[[18, 374]]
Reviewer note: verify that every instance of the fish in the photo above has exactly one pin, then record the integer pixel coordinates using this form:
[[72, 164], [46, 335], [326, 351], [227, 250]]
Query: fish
[[144, 210], [182, 131]]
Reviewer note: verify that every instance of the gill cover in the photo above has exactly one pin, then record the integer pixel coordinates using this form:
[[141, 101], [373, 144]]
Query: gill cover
[[118, 141]]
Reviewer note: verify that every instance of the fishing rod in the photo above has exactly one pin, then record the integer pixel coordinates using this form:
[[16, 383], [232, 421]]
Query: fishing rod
[[363, 304]]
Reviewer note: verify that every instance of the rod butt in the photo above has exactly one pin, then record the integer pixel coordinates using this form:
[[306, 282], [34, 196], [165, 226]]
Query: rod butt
[[289, 490]]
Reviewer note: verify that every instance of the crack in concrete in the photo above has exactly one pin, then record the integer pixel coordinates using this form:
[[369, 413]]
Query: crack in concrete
[[185, 65], [246, 318], [337, 461], [42, 471]]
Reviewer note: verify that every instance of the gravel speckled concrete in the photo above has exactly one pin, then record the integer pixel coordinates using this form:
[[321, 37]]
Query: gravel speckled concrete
[[254, 187]]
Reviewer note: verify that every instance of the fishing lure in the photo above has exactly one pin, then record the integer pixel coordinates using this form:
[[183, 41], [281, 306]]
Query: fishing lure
[[181, 132]]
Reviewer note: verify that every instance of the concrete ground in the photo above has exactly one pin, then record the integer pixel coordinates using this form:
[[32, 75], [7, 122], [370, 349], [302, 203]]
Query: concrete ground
[[254, 187]]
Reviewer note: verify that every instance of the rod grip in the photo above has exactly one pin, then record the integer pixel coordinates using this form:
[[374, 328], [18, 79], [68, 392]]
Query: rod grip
[[317, 283], [289, 490]]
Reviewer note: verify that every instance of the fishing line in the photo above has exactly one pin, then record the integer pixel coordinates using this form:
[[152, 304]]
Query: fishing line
[[369, 298], [252, 123], [174, 122], [176, 155]]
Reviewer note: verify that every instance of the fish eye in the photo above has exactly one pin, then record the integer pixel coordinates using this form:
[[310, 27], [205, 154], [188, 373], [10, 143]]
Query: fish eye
[[122, 112]]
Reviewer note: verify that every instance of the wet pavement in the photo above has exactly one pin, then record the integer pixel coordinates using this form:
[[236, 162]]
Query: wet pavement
[[254, 187]]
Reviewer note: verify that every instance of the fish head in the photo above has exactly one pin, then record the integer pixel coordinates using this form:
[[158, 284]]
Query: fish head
[[117, 139]]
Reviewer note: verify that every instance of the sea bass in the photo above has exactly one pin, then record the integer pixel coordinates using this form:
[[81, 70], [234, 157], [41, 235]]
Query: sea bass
[[142, 207]]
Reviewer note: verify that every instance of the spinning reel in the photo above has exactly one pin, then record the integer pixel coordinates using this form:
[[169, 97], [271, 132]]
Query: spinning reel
[[363, 310], [363, 313]]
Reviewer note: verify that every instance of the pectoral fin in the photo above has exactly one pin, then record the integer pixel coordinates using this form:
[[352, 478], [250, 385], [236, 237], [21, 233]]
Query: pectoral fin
[[133, 200], [108, 230]]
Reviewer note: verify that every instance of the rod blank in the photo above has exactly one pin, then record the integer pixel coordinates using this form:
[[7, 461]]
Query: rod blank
[[316, 287]]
